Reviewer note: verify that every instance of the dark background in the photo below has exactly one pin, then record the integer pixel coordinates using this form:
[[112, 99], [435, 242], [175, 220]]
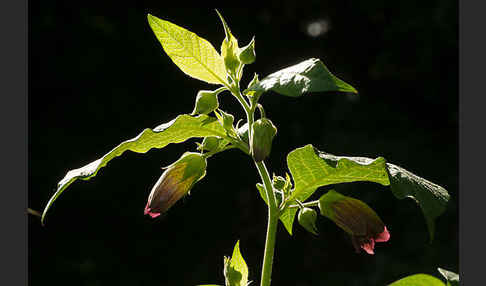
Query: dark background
[[98, 76]]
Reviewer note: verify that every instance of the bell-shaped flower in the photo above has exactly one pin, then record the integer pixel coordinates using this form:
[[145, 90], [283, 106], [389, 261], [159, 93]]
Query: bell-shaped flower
[[175, 182], [356, 218]]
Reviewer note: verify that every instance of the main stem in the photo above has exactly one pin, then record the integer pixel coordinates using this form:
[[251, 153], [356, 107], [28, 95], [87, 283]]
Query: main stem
[[273, 214], [273, 211]]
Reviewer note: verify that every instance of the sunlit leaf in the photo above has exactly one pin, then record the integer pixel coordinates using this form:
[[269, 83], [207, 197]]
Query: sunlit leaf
[[192, 54], [418, 280], [308, 76], [178, 130], [311, 169]]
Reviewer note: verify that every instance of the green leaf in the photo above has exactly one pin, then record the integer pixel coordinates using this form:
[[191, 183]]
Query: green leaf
[[311, 168], [195, 56], [178, 130], [451, 277], [308, 76], [418, 279], [229, 48], [431, 197], [235, 269]]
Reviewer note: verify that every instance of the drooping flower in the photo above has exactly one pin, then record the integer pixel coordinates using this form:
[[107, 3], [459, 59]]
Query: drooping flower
[[356, 218], [175, 182]]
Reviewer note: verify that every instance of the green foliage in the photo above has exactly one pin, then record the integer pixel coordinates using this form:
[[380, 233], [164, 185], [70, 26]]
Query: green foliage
[[308, 76], [235, 268], [418, 279], [310, 171], [311, 168], [229, 49], [431, 197], [178, 130], [195, 56]]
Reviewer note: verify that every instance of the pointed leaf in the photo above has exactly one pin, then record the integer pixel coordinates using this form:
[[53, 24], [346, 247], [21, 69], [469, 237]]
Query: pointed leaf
[[236, 270], [452, 278], [178, 130], [193, 55], [308, 76], [418, 279], [311, 169]]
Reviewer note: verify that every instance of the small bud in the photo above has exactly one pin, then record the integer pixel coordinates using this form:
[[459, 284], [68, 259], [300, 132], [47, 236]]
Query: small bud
[[175, 182], [356, 218], [206, 102], [210, 144], [247, 54], [278, 182], [262, 137], [226, 120], [307, 219]]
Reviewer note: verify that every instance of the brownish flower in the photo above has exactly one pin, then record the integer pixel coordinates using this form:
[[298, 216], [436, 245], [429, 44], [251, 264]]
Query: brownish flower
[[176, 181], [356, 218]]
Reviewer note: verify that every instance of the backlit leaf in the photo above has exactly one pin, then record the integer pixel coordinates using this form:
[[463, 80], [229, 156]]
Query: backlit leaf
[[192, 54], [178, 130], [311, 169], [418, 280], [308, 76]]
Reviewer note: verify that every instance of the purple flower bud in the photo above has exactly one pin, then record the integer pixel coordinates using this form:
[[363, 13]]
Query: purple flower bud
[[176, 181]]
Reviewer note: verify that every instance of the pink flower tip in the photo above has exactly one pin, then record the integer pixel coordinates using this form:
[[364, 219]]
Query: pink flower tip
[[383, 237], [147, 211]]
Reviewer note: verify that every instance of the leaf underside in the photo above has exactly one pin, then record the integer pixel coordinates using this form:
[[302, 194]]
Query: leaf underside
[[194, 55], [418, 279], [312, 169], [308, 76], [178, 130]]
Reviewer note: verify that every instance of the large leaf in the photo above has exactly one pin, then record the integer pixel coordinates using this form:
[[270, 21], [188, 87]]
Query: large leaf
[[418, 280], [178, 130], [312, 168], [193, 55], [236, 270], [308, 76]]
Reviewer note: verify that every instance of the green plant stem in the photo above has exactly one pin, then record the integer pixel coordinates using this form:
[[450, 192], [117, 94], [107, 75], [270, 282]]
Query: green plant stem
[[273, 214], [308, 204], [273, 210]]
